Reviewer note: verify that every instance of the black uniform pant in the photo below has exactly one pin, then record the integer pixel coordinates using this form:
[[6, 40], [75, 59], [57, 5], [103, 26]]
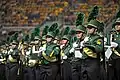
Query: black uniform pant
[[31, 73], [37, 72], [76, 70], [11, 71], [113, 71], [66, 73], [117, 69], [90, 69], [2, 72], [103, 74], [110, 70], [49, 72]]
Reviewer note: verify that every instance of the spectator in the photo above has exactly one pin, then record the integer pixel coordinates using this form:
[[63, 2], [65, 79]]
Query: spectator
[[39, 2], [21, 1]]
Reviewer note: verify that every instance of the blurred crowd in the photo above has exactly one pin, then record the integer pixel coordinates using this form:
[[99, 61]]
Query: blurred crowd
[[33, 12]]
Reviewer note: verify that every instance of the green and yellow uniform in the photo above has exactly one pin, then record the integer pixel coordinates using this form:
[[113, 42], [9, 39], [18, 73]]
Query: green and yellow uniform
[[32, 55], [114, 66], [65, 54], [2, 61], [93, 47], [13, 59], [50, 56], [77, 52]]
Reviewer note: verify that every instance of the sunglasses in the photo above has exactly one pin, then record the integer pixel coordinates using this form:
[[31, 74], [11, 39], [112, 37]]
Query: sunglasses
[[90, 27]]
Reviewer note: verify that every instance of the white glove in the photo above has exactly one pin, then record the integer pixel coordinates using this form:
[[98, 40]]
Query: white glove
[[86, 39], [11, 50], [28, 52], [61, 46], [105, 40], [82, 44], [2, 60], [71, 50], [64, 57], [75, 44], [42, 49], [114, 44]]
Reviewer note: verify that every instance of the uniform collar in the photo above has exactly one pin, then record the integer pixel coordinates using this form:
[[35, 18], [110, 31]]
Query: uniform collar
[[90, 35], [49, 43]]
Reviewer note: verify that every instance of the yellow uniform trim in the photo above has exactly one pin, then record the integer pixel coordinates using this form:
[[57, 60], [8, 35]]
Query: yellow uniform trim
[[116, 52], [51, 59], [62, 53], [89, 52], [2, 60], [11, 59], [51, 54], [20, 45]]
